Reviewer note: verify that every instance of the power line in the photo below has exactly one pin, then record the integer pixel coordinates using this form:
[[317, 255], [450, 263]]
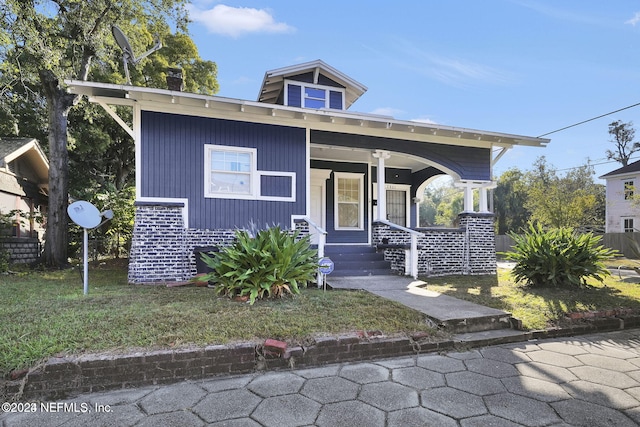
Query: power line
[[589, 120]]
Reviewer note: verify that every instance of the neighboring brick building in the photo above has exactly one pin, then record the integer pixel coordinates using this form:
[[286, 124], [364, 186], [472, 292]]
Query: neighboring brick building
[[24, 176]]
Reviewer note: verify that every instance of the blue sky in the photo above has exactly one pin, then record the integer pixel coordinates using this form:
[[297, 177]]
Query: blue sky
[[514, 66]]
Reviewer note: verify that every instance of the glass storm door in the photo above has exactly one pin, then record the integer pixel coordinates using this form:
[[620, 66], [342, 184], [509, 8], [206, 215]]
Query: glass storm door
[[397, 207]]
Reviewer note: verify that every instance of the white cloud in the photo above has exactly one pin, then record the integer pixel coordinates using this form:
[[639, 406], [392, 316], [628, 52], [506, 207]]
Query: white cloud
[[424, 120], [633, 21], [237, 21], [387, 111]]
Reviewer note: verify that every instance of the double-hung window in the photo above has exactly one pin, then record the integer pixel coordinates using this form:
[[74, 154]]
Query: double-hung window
[[627, 224], [629, 188], [230, 172], [349, 201]]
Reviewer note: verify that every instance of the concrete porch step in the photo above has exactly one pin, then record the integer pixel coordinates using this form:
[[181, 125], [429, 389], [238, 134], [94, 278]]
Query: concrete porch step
[[357, 260]]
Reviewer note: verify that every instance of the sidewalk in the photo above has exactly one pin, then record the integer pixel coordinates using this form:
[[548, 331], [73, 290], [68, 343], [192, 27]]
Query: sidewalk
[[589, 380]]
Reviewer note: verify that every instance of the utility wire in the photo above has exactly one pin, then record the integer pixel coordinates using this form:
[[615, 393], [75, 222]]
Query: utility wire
[[589, 120]]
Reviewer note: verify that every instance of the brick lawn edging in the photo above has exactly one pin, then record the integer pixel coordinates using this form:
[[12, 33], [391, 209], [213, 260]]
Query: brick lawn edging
[[59, 378]]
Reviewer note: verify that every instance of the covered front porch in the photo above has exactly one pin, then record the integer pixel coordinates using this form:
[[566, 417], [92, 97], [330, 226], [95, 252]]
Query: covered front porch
[[364, 197]]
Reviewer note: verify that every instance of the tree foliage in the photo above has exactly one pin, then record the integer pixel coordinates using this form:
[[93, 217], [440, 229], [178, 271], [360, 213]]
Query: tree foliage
[[510, 199], [441, 203], [573, 200], [623, 135], [44, 42]]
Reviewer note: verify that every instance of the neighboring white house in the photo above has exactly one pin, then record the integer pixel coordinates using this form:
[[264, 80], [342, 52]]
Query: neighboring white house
[[623, 208]]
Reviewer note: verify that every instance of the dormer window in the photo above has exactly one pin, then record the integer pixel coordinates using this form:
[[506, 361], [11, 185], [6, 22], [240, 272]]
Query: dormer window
[[315, 97], [299, 94]]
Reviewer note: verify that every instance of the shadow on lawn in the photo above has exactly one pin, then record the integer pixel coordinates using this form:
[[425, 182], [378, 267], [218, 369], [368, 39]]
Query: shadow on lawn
[[477, 289], [590, 298], [555, 302]]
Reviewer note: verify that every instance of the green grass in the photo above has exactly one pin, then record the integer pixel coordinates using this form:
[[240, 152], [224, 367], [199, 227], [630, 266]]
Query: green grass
[[539, 308], [45, 313]]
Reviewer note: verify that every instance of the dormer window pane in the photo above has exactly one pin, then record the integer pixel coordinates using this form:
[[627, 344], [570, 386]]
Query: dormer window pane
[[315, 98]]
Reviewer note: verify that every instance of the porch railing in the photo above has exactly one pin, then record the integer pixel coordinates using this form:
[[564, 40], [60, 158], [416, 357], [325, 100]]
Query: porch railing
[[322, 238], [413, 249]]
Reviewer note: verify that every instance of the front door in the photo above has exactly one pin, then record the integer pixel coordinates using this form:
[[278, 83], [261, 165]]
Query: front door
[[397, 207], [318, 201], [316, 213]]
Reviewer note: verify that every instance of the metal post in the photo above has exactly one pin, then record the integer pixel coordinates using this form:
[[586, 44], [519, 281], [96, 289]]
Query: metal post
[[85, 251], [414, 256]]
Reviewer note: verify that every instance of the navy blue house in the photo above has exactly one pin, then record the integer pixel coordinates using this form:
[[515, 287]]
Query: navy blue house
[[297, 157]]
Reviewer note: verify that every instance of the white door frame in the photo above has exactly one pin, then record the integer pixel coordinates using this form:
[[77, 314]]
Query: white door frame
[[399, 187], [319, 177]]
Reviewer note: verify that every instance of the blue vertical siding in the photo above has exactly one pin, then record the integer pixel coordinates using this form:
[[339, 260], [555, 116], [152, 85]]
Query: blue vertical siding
[[173, 167], [468, 162]]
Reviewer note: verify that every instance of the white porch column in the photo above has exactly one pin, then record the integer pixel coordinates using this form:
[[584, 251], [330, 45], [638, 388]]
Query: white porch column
[[468, 197], [483, 198], [484, 205], [381, 155]]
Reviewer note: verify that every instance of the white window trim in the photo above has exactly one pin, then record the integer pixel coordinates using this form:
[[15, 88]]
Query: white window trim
[[291, 175], [254, 177], [256, 190], [348, 175], [303, 85]]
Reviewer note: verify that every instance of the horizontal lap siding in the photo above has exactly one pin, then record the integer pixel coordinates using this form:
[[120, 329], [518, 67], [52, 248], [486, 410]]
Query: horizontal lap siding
[[173, 167]]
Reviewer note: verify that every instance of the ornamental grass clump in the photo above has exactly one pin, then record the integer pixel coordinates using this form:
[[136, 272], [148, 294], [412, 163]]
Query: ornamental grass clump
[[272, 264], [558, 257]]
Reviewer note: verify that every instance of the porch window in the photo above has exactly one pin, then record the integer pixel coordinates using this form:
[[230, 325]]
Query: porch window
[[230, 171], [349, 197]]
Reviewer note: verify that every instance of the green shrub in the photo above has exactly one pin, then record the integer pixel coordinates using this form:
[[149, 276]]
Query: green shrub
[[271, 264], [558, 257]]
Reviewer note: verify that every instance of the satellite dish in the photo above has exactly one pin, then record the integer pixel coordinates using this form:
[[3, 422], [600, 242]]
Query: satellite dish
[[84, 214], [87, 216], [127, 51]]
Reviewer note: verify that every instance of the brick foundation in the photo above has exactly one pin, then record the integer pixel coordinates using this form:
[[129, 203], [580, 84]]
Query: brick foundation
[[469, 249], [162, 249], [22, 250]]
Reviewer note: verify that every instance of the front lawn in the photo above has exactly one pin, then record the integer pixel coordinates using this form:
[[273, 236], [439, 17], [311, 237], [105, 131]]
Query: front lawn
[[539, 308], [45, 313]]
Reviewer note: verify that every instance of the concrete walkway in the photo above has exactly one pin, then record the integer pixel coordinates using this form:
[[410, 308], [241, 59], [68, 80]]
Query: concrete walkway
[[410, 293], [451, 314], [591, 380]]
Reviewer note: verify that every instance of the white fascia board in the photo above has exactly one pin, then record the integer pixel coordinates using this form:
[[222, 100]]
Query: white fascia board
[[333, 120]]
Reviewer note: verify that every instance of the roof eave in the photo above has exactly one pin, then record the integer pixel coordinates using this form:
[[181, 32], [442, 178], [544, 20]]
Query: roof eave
[[344, 121]]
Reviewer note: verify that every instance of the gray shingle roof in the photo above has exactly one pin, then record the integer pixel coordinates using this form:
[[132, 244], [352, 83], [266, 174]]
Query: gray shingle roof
[[630, 168], [9, 145]]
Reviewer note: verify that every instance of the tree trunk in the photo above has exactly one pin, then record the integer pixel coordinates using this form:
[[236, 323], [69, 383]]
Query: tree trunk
[[59, 103]]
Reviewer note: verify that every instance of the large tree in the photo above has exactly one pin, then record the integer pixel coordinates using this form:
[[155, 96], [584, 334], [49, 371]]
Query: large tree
[[573, 200], [622, 135], [44, 42], [510, 198]]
